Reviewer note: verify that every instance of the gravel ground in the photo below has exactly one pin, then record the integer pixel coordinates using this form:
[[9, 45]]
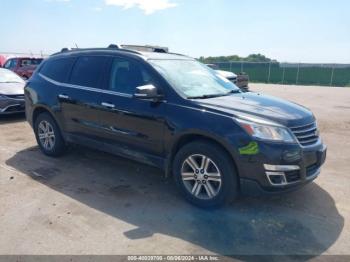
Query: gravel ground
[[89, 202]]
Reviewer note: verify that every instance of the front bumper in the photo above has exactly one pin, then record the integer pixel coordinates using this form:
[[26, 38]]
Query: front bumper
[[11, 106], [280, 168]]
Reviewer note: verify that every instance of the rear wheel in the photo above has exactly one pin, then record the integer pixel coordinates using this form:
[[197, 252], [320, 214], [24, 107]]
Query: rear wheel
[[205, 174], [48, 135]]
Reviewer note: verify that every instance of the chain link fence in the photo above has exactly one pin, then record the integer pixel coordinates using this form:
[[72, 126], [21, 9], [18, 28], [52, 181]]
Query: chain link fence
[[270, 72], [291, 73]]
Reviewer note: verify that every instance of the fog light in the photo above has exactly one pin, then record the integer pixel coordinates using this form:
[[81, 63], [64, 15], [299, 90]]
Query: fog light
[[276, 178]]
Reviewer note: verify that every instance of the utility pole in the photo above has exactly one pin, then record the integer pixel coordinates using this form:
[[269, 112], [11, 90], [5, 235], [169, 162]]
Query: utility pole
[[298, 74], [269, 75], [332, 75]]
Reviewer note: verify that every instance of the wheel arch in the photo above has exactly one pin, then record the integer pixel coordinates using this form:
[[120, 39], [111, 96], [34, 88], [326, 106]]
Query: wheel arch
[[189, 137], [39, 109]]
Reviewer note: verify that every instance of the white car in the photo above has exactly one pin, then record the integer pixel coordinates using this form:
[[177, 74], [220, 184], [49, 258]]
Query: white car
[[240, 80], [229, 75]]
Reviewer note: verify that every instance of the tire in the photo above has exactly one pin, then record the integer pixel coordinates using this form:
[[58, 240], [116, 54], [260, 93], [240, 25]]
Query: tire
[[56, 145], [212, 193]]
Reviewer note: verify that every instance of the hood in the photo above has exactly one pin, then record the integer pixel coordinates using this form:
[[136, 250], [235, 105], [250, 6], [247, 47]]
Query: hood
[[261, 106], [226, 74], [12, 88]]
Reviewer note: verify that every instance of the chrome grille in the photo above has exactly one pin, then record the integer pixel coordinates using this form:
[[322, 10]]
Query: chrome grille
[[307, 134]]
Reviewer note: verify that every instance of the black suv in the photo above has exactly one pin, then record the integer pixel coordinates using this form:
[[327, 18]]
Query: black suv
[[170, 111]]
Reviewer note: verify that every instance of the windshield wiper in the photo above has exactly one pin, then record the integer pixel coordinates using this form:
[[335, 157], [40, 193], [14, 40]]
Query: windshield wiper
[[205, 96], [233, 91]]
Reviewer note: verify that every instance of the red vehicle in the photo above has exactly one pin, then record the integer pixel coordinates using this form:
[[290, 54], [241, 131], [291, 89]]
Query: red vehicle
[[23, 66], [2, 60]]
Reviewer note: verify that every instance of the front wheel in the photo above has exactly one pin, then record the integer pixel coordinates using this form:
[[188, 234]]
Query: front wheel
[[205, 174]]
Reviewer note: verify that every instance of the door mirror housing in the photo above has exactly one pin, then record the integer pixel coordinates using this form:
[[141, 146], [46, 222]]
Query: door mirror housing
[[147, 92]]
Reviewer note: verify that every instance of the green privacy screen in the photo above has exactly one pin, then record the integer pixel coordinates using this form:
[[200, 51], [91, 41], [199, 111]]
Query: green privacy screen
[[288, 73]]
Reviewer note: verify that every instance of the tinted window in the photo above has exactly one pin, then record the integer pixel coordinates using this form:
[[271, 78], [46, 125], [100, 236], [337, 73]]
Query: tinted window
[[126, 76], [88, 71], [14, 63], [10, 64], [27, 62], [58, 69]]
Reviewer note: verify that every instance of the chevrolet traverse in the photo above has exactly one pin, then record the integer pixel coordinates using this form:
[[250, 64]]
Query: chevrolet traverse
[[172, 112]]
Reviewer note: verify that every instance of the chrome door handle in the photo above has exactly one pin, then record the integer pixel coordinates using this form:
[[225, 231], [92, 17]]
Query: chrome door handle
[[108, 105], [63, 96]]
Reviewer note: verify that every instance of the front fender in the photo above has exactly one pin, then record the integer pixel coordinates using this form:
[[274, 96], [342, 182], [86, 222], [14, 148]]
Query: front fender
[[193, 133]]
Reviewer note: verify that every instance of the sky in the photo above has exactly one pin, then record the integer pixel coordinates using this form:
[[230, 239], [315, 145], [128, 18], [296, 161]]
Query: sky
[[316, 31]]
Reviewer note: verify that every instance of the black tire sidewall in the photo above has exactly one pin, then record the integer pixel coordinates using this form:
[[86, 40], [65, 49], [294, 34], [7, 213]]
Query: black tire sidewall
[[59, 145], [228, 189]]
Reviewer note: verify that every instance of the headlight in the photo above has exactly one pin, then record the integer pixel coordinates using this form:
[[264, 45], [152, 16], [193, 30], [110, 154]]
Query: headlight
[[267, 132]]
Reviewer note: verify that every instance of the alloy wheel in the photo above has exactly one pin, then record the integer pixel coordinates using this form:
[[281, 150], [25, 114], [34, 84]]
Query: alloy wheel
[[201, 176], [46, 135]]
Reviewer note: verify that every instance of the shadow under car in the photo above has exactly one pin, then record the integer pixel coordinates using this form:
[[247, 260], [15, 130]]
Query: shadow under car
[[305, 222]]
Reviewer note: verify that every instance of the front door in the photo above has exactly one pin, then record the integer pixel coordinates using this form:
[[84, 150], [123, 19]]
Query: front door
[[135, 125]]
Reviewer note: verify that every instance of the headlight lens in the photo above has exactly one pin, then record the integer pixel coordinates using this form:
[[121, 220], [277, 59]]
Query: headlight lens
[[267, 132]]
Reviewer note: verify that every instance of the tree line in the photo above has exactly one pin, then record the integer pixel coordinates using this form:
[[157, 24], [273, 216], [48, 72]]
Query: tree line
[[249, 58]]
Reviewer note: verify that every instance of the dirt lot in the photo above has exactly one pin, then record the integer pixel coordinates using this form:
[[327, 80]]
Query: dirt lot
[[90, 202]]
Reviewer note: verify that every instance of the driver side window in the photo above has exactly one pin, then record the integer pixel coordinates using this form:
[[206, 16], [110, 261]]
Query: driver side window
[[127, 75]]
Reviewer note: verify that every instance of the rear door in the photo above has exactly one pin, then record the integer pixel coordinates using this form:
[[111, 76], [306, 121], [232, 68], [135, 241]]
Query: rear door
[[80, 97]]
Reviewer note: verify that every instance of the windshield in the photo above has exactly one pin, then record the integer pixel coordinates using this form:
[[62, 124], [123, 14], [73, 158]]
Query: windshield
[[7, 76], [193, 79]]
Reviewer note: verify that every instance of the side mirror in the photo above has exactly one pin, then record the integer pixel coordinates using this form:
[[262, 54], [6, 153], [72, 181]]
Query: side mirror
[[147, 92]]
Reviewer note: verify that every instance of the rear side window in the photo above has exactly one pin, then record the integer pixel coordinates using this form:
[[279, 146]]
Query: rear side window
[[58, 69], [88, 71]]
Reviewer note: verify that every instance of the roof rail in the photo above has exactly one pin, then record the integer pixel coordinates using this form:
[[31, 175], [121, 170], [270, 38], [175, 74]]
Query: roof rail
[[66, 50], [137, 49]]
